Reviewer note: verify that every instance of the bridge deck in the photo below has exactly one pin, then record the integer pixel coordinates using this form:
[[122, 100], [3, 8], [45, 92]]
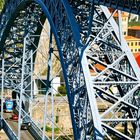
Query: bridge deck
[[25, 135], [131, 6]]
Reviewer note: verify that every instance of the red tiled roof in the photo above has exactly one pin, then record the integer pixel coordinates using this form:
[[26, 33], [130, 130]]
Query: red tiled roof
[[137, 57], [98, 67], [131, 38], [124, 14], [134, 28]]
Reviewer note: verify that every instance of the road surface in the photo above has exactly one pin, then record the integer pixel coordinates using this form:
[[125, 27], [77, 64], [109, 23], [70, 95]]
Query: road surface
[[25, 135]]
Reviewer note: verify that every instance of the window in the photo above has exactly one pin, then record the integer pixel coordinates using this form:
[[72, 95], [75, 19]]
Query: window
[[128, 43], [139, 50], [131, 43], [124, 33], [136, 43], [131, 50], [135, 50]]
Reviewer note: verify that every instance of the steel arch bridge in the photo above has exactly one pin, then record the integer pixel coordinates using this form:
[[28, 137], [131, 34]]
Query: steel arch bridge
[[88, 41]]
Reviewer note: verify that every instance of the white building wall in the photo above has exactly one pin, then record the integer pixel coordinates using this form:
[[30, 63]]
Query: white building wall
[[55, 84]]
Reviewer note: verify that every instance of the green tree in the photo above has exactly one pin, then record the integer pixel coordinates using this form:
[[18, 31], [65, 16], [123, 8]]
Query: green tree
[[1, 4], [62, 90]]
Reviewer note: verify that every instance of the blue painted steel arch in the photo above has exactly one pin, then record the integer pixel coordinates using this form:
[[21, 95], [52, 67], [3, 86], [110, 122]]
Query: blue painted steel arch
[[62, 63], [76, 35]]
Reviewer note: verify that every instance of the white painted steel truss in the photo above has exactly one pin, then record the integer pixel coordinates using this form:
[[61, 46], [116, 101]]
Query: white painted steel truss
[[115, 77], [102, 77], [41, 107]]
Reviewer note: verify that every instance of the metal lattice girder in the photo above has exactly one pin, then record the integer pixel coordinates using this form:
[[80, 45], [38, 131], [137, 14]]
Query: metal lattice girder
[[115, 74], [131, 6], [69, 55], [87, 40]]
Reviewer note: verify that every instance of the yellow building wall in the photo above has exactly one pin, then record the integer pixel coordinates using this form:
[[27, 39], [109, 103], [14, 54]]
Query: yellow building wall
[[134, 46]]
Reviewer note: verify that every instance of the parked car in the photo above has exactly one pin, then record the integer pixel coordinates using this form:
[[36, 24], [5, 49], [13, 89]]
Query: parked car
[[15, 117], [25, 124]]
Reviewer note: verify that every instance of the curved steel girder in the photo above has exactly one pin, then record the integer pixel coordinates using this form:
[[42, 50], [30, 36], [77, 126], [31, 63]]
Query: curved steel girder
[[18, 28], [8, 16], [83, 11], [131, 6], [111, 62], [67, 39]]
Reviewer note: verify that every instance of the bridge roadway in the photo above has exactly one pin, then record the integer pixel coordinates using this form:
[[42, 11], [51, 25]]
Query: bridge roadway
[[25, 135], [131, 6]]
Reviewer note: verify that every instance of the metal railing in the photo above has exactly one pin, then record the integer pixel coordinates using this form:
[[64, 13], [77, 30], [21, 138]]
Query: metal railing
[[34, 130], [6, 127]]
